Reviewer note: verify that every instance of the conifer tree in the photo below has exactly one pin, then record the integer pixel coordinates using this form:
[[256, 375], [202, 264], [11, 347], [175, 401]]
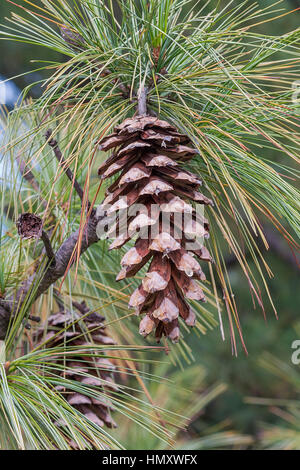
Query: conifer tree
[[181, 95]]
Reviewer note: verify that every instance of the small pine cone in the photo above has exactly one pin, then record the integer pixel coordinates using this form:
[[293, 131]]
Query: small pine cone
[[96, 371], [29, 226], [150, 154], [71, 37]]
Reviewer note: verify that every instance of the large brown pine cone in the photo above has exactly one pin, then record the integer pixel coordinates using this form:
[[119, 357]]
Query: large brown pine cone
[[88, 370], [150, 153]]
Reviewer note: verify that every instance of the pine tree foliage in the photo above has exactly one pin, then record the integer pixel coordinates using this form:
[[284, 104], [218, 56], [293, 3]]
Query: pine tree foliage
[[208, 74], [284, 435], [229, 91]]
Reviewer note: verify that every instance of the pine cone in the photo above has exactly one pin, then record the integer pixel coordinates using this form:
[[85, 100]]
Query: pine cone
[[99, 370], [71, 37], [29, 226], [150, 154]]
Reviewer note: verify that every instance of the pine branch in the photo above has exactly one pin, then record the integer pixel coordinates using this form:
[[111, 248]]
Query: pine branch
[[57, 152], [10, 307], [60, 261], [48, 247]]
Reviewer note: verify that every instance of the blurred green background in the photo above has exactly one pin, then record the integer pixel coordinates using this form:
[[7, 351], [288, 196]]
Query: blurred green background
[[245, 376]]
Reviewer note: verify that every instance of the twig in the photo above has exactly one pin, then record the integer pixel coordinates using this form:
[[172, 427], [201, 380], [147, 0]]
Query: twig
[[142, 100], [57, 152], [30, 178], [48, 248]]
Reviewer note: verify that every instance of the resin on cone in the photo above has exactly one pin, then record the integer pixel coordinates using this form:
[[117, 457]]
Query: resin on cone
[[149, 154]]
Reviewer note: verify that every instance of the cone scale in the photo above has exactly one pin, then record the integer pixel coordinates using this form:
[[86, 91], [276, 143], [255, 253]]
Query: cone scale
[[153, 187], [88, 370]]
